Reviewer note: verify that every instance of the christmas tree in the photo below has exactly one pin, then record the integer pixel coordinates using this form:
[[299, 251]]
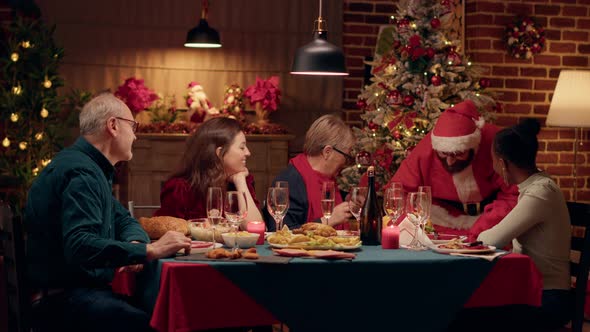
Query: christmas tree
[[418, 72], [33, 123]]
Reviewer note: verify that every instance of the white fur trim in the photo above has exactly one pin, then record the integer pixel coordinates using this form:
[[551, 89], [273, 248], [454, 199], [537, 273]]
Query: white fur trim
[[466, 186], [440, 216], [458, 143]]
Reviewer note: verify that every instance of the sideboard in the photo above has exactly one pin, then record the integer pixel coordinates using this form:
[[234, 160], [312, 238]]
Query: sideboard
[[155, 156]]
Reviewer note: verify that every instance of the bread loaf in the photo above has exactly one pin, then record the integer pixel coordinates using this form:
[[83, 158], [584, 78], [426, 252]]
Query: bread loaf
[[156, 227]]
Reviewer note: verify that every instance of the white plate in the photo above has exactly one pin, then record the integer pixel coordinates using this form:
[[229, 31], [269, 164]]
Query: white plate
[[201, 250], [463, 251], [303, 245], [461, 238]]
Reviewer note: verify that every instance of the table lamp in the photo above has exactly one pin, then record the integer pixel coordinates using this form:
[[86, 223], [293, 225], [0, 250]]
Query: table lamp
[[570, 107]]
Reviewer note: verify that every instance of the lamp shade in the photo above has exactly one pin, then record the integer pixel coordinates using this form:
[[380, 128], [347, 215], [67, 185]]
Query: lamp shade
[[570, 105], [319, 58], [203, 36]]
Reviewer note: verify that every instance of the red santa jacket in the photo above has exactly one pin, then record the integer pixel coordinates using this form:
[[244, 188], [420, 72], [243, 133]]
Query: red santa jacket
[[476, 183]]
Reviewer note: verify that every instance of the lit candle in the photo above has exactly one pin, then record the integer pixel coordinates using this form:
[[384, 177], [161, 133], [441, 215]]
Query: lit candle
[[258, 228], [390, 237]]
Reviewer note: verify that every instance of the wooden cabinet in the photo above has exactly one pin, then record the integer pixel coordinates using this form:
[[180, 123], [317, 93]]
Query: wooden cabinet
[[155, 156]]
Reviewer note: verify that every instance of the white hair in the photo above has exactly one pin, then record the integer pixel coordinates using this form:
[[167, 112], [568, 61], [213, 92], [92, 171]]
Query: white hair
[[96, 112]]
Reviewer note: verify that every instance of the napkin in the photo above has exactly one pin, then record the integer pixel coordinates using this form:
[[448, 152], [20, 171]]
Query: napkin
[[488, 257], [407, 231]]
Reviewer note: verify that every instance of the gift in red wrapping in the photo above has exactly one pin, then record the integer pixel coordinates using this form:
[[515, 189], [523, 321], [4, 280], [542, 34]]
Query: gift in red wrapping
[[258, 228], [390, 237]]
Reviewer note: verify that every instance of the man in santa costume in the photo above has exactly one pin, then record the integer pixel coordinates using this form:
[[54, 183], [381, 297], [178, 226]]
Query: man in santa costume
[[455, 159]]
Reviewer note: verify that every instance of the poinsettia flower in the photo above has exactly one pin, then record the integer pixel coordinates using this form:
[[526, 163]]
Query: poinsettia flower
[[266, 92], [136, 95]]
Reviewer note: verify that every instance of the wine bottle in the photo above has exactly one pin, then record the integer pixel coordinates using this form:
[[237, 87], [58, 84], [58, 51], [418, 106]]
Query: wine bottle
[[371, 215]]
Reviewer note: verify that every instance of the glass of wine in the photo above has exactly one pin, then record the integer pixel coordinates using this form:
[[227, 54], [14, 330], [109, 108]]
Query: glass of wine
[[328, 195], [277, 203], [282, 184], [214, 209], [393, 203], [355, 205], [235, 208], [416, 212]]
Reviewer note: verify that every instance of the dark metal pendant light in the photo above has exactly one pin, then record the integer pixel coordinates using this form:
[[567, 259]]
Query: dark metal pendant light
[[319, 57], [203, 36]]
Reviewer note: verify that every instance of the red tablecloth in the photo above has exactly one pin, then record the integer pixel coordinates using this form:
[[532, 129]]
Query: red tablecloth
[[190, 296]]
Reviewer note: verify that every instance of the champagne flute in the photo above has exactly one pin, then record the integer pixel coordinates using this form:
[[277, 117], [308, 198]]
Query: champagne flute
[[393, 203], [277, 203], [427, 203], [328, 195], [415, 209], [357, 198], [235, 208], [214, 208]]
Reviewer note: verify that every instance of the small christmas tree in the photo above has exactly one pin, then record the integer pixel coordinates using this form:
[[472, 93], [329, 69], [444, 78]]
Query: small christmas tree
[[33, 124], [418, 72]]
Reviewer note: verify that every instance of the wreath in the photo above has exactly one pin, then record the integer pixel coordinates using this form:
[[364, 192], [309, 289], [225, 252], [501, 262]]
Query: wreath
[[524, 38]]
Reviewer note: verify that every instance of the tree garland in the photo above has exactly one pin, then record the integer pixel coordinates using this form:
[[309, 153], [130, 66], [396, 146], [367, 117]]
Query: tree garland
[[524, 38]]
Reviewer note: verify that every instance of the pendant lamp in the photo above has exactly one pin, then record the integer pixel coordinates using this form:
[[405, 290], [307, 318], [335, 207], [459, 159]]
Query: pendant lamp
[[319, 57], [203, 36]]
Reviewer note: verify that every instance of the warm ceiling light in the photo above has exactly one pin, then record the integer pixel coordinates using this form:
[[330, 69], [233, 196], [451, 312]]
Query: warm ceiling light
[[203, 36], [319, 57]]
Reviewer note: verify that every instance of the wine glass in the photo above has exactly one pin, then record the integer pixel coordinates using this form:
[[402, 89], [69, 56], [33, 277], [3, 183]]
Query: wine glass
[[282, 184], [328, 195], [427, 190], [416, 212], [393, 202], [277, 203], [214, 208], [235, 208], [356, 201]]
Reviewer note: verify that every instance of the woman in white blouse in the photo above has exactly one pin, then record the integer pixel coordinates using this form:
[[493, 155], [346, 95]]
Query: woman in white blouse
[[539, 224]]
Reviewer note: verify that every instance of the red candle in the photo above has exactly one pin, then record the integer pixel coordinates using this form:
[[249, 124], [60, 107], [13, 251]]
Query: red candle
[[258, 228], [390, 237]]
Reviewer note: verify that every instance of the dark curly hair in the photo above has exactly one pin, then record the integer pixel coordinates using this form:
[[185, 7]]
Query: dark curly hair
[[518, 144]]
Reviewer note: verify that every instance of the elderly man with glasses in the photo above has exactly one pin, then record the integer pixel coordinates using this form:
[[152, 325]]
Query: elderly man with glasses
[[455, 159]]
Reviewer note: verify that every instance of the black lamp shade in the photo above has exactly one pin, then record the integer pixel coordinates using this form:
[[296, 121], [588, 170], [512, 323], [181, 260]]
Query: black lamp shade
[[319, 58], [202, 36]]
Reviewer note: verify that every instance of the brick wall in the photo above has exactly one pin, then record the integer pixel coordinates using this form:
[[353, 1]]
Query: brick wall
[[525, 87]]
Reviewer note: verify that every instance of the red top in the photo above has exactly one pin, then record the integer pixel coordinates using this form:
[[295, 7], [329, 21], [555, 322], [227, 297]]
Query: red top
[[179, 200]]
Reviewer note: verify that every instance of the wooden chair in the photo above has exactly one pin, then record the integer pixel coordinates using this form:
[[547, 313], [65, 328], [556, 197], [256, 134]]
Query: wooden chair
[[13, 239], [132, 207], [579, 259]]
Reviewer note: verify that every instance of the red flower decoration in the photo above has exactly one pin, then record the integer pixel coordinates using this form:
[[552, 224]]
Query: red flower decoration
[[266, 92], [136, 95]]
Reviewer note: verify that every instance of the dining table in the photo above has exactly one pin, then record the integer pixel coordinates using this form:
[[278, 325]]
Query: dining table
[[401, 290]]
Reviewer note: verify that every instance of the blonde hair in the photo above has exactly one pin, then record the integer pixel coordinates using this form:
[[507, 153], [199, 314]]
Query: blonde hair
[[327, 130]]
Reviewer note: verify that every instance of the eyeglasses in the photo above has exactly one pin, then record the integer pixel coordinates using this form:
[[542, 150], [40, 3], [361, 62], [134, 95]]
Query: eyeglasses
[[349, 158], [133, 123]]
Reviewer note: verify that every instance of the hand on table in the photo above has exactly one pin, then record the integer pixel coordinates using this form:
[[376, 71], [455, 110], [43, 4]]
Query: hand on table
[[168, 245]]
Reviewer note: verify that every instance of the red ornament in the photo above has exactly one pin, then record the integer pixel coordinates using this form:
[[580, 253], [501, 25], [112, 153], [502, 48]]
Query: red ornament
[[435, 23], [363, 158], [436, 80], [397, 135], [408, 100], [430, 52], [361, 104], [454, 58], [373, 126], [394, 97], [484, 83], [403, 23], [446, 3]]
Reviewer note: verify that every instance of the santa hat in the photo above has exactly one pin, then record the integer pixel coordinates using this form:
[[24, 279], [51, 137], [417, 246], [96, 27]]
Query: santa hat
[[458, 128]]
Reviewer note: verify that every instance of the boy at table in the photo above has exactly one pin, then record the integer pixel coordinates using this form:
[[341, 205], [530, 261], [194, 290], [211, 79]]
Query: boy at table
[[78, 233]]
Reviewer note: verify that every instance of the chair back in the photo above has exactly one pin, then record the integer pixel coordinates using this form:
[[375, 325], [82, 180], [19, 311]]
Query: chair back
[[137, 211], [579, 259], [18, 296]]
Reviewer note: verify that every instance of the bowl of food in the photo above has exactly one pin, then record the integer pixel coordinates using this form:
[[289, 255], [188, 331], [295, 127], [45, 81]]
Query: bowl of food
[[243, 239], [203, 232]]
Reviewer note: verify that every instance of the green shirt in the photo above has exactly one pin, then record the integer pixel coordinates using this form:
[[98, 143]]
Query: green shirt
[[78, 233]]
